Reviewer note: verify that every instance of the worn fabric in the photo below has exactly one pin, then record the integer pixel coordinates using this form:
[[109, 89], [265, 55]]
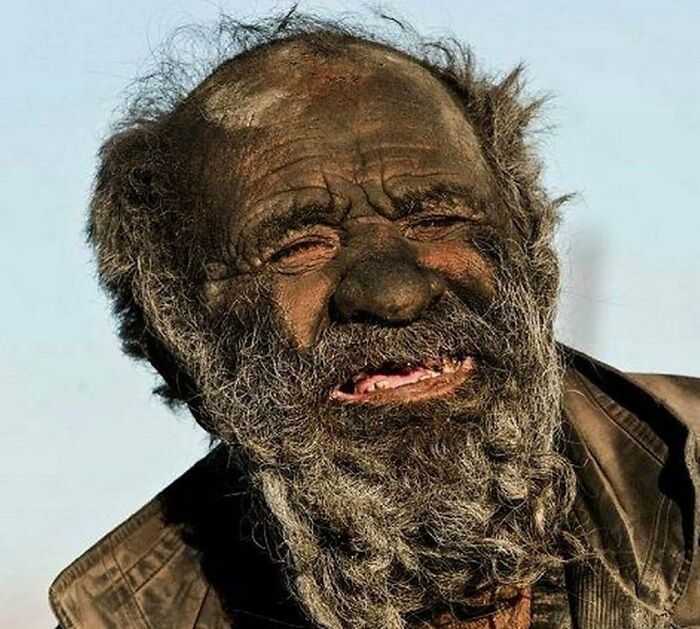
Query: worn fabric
[[184, 560]]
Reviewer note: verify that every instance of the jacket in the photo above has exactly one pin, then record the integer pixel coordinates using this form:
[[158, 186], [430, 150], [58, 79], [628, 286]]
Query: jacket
[[182, 562]]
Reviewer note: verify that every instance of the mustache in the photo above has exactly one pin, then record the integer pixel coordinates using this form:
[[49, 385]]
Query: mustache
[[449, 329]]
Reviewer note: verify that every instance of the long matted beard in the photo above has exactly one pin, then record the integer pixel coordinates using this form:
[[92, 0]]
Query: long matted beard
[[387, 511]]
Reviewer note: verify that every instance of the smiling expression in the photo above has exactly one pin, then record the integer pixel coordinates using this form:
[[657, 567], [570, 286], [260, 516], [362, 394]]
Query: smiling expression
[[355, 189], [346, 271]]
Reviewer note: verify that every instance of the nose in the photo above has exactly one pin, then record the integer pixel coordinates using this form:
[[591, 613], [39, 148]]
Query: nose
[[390, 290]]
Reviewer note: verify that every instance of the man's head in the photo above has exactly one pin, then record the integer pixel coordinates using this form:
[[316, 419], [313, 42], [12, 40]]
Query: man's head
[[339, 256]]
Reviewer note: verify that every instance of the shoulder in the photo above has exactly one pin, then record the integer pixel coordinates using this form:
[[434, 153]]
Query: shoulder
[[186, 560], [127, 578], [633, 440], [680, 393]]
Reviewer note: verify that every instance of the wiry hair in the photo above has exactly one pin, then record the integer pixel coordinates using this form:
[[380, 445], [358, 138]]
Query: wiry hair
[[139, 222], [482, 496]]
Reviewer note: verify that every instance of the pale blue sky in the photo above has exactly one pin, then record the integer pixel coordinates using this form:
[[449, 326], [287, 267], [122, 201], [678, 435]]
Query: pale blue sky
[[82, 442]]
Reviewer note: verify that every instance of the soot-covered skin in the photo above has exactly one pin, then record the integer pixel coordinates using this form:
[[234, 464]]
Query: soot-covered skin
[[352, 186]]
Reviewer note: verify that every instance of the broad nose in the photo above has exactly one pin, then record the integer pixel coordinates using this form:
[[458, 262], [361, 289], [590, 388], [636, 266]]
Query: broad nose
[[390, 290]]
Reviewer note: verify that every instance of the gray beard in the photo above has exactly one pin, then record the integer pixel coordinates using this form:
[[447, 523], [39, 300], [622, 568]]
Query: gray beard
[[387, 511]]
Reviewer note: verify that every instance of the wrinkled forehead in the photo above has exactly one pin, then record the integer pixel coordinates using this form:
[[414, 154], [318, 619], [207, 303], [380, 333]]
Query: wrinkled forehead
[[357, 83]]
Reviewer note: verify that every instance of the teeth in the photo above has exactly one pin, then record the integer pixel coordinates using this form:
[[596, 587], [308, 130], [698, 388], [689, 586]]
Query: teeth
[[365, 382]]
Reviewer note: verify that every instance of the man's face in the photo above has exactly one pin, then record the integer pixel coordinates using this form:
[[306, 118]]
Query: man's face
[[360, 194], [377, 349]]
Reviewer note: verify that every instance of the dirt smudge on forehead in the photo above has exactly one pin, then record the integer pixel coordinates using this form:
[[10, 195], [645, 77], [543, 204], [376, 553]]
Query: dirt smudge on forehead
[[362, 87], [243, 106]]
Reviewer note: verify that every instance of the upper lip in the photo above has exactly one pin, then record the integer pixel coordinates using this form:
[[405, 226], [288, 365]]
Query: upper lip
[[403, 382]]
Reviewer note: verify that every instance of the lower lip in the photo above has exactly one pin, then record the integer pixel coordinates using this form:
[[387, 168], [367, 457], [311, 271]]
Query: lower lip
[[441, 385]]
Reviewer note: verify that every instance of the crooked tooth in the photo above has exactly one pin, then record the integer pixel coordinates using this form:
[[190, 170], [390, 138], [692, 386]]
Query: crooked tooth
[[382, 384]]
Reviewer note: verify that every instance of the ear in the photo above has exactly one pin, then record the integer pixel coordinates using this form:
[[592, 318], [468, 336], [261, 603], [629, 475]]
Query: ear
[[510, 117], [129, 198], [128, 191]]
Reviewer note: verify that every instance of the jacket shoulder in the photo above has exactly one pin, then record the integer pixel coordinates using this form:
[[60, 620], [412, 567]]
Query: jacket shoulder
[[680, 393], [186, 560], [632, 438], [121, 581]]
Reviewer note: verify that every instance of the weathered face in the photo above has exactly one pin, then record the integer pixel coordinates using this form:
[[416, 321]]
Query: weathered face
[[355, 190], [376, 349]]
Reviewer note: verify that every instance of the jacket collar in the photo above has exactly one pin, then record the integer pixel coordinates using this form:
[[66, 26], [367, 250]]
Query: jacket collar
[[182, 562]]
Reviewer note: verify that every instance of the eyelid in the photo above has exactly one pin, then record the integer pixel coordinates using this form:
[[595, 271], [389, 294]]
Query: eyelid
[[319, 233]]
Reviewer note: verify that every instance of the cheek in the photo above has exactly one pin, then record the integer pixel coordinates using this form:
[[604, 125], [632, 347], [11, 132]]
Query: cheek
[[299, 302], [302, 301], [463, 268]]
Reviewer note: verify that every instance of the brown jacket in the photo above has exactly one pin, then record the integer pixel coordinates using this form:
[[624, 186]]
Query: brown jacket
[[181, 561]]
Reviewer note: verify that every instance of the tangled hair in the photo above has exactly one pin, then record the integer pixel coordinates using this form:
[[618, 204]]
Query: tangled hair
[[388, 513], [139, 222]]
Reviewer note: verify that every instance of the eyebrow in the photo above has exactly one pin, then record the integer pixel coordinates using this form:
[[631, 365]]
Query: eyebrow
[[414, 202], [297, 216]]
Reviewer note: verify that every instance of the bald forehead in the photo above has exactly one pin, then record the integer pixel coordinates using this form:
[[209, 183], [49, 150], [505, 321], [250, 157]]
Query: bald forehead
[[294, 76], [287, 127], [357, 83]]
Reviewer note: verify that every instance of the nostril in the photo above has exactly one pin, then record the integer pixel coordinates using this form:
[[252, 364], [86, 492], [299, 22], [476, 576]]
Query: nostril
[[434, 299], [392, 292], [335, 313]]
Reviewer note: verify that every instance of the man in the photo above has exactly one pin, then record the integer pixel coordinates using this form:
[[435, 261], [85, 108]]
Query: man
[[339, 256]]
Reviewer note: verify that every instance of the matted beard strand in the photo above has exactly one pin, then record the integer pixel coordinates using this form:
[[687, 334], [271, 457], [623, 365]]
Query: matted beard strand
[[371, 539]]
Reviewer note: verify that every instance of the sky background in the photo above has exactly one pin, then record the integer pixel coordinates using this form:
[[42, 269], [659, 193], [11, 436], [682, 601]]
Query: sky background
[[83, 444]]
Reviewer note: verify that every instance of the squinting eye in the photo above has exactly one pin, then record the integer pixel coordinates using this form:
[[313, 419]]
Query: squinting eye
[[431, 227], [300, 247], [304, 253]]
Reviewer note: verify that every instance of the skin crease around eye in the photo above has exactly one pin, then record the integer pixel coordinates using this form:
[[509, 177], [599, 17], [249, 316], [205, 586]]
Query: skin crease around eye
[[299, 252], [434, 225], [306, 285]]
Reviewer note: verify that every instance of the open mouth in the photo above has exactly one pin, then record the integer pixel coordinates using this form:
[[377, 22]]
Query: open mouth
[[404, 383]]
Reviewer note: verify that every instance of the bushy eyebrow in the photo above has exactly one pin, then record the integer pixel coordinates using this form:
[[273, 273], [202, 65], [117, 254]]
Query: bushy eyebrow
[[415, 202], [298, 216]]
